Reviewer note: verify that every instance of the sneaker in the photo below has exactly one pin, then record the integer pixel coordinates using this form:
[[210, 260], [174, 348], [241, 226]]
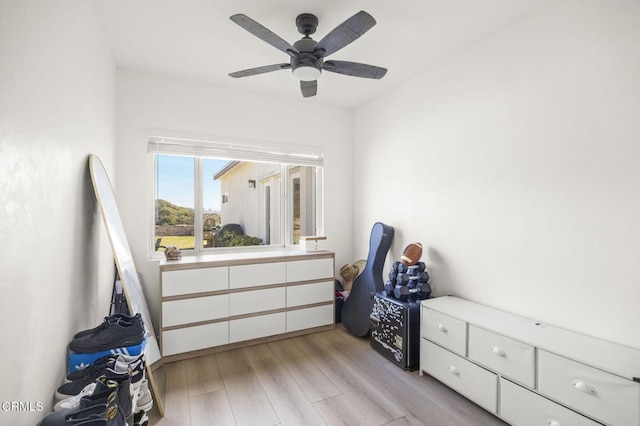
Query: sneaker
[[107, 320], [57, 418], [99, 365], [103, 414], [90, 422], [74, 401], [141, 419], [145, 400], [74, 388], [136, 371], [125, 390], [112, 335]]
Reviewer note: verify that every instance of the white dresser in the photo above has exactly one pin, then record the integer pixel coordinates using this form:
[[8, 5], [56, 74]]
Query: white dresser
[[219, 302], [527, 372]]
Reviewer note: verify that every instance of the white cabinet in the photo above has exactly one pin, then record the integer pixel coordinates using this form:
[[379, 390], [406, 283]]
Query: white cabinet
[[192, 281], [298, 295], [527, 372], [299, 319], [193, 338], [218, 302], [249, 302], [242, 276], [196, 309], [506, 356], [519, 406], [445, 330], [603, 396], [476, 383], [256, 327]]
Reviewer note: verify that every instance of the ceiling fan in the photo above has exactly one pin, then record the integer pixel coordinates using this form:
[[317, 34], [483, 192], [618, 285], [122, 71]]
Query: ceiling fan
[[307, 56]]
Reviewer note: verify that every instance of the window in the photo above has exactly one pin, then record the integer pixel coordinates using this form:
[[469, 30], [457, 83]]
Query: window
[[232, 196]]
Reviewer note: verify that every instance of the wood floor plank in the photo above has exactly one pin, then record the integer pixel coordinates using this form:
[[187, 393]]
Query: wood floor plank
[[288, 400], [426, 388], [176, 403], [333, 374], [257, 352], [313, 382], [203, 375], [211, 409], [352, 384], [248, 400], [339, 411], [358, 348]]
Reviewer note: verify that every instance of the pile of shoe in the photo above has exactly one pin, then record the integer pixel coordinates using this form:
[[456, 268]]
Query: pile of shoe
[[118, 334], [112, 390]]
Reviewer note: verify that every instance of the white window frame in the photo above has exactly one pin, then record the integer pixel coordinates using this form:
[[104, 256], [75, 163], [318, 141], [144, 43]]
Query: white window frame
[[170, 143]]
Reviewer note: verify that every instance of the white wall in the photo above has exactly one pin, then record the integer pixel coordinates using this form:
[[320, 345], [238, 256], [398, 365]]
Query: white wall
[[57, 105], [515, 162], [148, 101]]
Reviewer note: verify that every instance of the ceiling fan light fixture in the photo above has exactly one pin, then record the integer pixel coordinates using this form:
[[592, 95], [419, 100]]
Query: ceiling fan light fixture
[[307, 73]]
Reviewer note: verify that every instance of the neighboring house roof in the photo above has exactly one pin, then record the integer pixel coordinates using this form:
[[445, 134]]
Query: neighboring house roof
[[230, 165]]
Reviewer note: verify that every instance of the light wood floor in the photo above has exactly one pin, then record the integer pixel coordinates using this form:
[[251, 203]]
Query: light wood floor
[[327, 378]]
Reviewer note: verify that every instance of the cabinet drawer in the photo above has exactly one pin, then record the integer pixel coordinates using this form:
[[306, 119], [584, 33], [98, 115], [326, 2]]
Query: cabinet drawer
[[598, 394], [255, 327], [189, 281], [196, 309], [255, 275], [469, 379], [256, 301], [307, 294], [307, 270], [445, 330], [506, 356], [523, 407], [193, 338], [317, 316]]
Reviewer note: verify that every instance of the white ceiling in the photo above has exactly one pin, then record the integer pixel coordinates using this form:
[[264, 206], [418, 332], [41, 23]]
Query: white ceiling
[[194, 39]]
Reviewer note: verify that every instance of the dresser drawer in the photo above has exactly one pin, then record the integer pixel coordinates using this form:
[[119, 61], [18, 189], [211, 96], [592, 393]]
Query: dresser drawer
[[469, 379], [196, 309], [447, 331], [193, 338], [522, 407], [252, 301], [506, 356], [307, 270], [307, 294], [259, 274], [598, 394], [255, 327], [300, 319], [189, 281]]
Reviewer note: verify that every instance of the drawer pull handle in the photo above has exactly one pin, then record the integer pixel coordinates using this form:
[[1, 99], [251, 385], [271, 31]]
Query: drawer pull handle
[[553, 422], [454, 370], [584, 387], [442, 328], [496, 350]]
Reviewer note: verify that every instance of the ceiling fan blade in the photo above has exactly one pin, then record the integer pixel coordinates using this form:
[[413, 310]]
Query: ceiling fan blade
[[259, 70], [354, 69], [345, 33], [308, 88], [264, 34]]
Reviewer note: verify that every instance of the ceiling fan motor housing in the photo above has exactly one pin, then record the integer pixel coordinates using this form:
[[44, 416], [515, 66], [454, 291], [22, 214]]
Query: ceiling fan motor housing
[[306, 59]]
